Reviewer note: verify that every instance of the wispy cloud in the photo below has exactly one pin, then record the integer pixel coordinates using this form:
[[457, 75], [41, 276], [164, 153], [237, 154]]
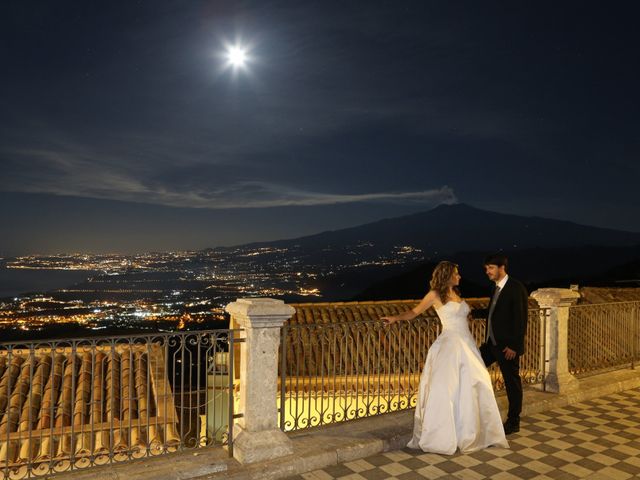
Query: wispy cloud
[[94, 176], [255, 194]]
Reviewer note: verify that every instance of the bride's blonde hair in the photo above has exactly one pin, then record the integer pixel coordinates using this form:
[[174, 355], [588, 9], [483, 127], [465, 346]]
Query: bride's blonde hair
[[440, 280]]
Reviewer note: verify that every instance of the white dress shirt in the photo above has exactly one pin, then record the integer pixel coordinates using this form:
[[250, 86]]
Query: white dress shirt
[[502, 282]]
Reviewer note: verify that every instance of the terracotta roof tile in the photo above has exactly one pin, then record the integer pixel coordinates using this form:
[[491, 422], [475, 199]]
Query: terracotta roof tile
[[608, 295], [63, 404]]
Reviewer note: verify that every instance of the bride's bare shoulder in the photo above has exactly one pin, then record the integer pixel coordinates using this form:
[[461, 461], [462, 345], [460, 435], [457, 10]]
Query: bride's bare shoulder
[[435, 298]]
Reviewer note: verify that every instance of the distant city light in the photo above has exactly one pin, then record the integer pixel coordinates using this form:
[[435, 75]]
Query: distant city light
[[181, 297]]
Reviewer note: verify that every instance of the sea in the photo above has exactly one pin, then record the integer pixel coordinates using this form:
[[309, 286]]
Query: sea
[[17, 281]]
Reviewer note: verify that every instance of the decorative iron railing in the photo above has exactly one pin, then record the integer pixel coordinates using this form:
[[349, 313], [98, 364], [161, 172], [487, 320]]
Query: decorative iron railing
[[603, 336], [70, 404], [532, 363], [335, 372]]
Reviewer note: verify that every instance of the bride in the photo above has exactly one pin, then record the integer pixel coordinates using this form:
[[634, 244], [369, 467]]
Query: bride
[[456, 406]]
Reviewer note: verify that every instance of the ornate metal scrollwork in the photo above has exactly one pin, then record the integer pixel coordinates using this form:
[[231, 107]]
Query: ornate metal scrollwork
[[101, 400]]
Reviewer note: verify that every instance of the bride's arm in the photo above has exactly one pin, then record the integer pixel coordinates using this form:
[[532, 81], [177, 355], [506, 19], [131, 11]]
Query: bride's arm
[[428, 300]]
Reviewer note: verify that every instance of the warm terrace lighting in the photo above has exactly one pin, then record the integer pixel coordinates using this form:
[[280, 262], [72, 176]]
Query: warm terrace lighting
[[237, 57]]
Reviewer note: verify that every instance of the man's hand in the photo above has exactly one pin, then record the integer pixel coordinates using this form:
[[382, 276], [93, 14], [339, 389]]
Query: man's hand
[[508, 353]]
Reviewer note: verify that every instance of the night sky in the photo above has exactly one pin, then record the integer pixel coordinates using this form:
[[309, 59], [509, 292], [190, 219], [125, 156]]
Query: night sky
[[123, 129]]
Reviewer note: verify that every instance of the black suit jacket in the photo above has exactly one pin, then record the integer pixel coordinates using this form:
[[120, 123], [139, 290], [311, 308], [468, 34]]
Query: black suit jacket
[[509, 319]]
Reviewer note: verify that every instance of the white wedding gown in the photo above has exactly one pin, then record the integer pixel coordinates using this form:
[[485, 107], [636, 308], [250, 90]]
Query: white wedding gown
[[456, 405]]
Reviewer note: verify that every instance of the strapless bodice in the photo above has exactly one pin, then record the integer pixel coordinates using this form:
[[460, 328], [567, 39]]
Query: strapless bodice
[[453, 316]]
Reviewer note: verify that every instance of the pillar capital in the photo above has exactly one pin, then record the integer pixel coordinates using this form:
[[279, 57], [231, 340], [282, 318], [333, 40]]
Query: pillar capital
[[260, 312], [555, 297]]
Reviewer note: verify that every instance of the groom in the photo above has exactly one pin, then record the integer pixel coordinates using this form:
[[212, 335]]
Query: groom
[[506, 327]]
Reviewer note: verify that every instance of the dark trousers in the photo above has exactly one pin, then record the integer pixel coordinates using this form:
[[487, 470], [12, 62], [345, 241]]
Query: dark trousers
[[511, 373]]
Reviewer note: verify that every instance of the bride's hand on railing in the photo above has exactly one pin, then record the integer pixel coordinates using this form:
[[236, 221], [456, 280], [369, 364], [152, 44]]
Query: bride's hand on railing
[[389, 320]]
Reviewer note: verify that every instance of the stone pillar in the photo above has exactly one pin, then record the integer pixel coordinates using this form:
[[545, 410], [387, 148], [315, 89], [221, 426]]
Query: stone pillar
[[256, 434], [558, 300]]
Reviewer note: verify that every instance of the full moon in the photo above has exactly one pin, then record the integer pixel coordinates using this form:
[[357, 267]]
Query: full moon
[[237, 57]]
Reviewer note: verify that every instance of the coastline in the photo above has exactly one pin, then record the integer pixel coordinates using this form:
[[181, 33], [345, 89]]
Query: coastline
[[19, 281]]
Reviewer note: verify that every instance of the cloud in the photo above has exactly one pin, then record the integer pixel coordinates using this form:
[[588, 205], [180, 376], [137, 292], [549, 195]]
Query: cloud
[[254, 194], [89, 175]]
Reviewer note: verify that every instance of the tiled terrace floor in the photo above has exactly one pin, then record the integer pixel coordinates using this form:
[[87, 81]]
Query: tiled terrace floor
[[597, 439]]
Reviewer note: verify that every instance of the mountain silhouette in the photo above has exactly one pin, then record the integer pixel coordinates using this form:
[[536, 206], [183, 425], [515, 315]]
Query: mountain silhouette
[[448, 229], [542, 252]]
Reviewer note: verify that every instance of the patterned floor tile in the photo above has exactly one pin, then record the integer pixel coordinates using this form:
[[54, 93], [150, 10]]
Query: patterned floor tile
[[431, 471], [358, 466], [468, 474], [596, 440], [539, 467], [410, 476], [395, 469], [615, 474]]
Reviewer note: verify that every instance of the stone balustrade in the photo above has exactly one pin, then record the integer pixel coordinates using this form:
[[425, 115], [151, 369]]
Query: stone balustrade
[[259, 437]]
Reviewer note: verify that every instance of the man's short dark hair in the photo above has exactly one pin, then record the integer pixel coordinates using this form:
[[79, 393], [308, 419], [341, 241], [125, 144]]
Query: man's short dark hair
[[499, 259]]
